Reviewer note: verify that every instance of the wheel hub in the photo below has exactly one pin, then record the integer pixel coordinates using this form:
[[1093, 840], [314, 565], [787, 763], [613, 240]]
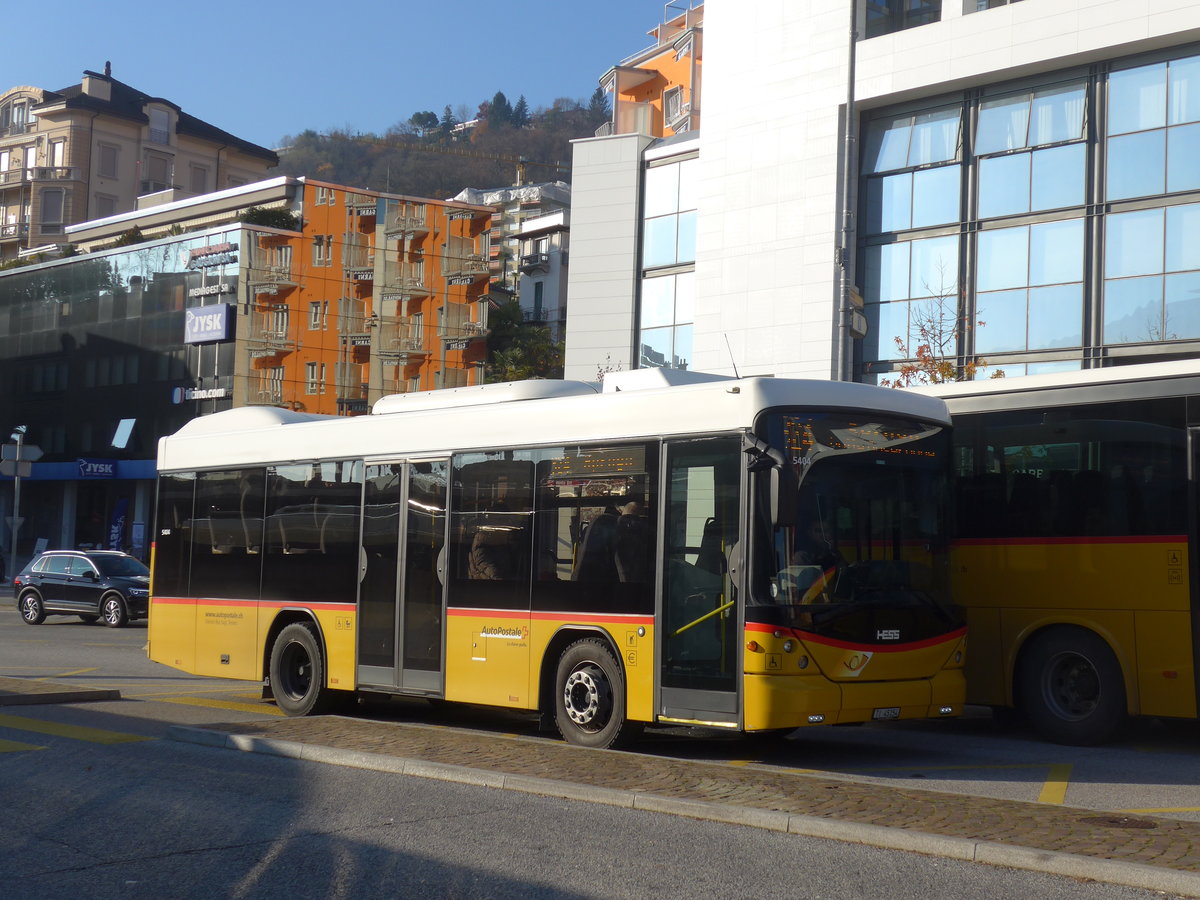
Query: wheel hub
[[584, 694], [1073, 686]]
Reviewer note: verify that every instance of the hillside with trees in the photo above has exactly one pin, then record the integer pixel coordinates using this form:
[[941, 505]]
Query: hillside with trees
[[437, 155]]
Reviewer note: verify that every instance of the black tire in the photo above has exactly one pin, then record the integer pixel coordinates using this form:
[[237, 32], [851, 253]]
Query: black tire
[[113, 611], [589, 697], [32, 610], [298, 672], [1071, 687]]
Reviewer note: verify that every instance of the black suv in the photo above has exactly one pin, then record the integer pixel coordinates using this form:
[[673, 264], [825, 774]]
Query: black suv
[[87, 583]]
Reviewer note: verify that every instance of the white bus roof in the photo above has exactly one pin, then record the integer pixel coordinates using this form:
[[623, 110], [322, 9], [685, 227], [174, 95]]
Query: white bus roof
[[631, 406], [1111, 383]]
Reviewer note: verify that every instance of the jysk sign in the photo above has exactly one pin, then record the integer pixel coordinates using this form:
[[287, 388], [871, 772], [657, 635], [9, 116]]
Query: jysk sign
[[97, 468], [207, 323]]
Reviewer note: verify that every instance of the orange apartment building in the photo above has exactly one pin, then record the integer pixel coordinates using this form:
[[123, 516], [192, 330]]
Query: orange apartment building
[[360, 295], [657, 91]]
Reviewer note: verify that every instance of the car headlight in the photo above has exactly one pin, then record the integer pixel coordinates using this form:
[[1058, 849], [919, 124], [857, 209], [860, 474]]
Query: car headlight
[[139, 592]]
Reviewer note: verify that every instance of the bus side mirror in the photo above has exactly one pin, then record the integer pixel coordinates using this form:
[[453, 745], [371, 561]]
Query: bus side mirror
[[784, 488]]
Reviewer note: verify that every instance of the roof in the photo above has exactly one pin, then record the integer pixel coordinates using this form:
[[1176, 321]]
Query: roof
[[128, 102]]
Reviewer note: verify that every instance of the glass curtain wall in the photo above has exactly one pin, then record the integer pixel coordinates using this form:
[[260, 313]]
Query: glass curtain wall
[[1037, 227], [668, 264]]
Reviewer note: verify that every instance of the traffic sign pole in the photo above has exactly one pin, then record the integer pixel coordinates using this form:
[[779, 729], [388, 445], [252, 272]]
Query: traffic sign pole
[[19, 435]]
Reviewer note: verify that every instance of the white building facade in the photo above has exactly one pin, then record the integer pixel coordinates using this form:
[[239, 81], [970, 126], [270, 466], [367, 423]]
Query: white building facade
[[1022, 181]]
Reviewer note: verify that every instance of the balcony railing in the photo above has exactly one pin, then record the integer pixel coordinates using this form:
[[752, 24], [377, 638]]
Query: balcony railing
[[13, 231], [270, 279], [39, 173], [406, 224], [17, 129], [362, 204], [404, 279], [535, 262], [465, 265], [160, 136], [154, 187]]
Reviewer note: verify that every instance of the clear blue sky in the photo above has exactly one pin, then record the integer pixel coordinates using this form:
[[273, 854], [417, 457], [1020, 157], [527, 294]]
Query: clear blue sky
[[266, 70]]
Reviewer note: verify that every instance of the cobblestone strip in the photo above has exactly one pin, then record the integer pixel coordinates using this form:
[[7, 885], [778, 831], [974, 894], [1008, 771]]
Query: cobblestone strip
[[1051, 828]]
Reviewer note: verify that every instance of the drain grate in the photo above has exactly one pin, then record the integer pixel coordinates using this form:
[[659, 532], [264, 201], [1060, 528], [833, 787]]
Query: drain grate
[[1118, 822]]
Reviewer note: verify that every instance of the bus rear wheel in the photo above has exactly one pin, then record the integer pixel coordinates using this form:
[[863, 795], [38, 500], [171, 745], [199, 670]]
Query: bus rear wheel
[[1071, 687], [589, 706], [297, 672]]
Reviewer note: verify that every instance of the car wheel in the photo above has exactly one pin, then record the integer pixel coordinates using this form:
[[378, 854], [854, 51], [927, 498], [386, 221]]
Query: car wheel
[[32, 610], [590, 697], [112, 607], [1071, 687], [298, 672]]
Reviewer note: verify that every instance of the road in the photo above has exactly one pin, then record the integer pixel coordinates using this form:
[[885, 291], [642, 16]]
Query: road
[[98, 804]]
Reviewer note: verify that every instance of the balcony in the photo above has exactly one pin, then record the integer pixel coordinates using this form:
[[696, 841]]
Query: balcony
[[401, 223], [270, 279], [361, 204], [472, 266], [16, 130], [268, 334], [156, 187], [359, 262], [535, 262], [401, 341], [14, 231], [403, 280]]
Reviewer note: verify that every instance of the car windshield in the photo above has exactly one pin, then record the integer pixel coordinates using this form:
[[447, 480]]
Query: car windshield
[[121, 566]]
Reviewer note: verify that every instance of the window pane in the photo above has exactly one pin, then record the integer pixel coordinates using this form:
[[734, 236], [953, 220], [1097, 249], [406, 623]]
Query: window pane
[[1183, 306], [1135, 165], [1003, 124], [683, 347], [889, 202], [935, 137], [1133, 310], [885, 323], [935, 196], [1134, 244], [1004, 185], [658, 242], [1183, 158], [934, 267], [1137, 98], [658, 301], [656, 347], [886, 272], [1056, 252], [662, 190], [1057, 115], [686, 250], [1183, 78], [1058, 177], [689, 172], [1002, 318], [1183, 250], [685, 296], [887, 145], [1003, 259], [1056, 316]]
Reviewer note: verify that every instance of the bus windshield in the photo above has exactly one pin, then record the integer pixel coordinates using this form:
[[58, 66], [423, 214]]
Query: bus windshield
[[868, 530]]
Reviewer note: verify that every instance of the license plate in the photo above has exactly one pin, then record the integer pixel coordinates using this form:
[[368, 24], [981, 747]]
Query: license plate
[[886, 712]]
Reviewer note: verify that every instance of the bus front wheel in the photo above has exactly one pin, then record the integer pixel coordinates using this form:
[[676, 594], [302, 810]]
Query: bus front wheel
[[1071, 687], [589, 706], [298, 672]]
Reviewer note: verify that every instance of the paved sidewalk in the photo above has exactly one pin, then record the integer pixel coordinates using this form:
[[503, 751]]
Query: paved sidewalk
[[1147, 852], [32, 691]]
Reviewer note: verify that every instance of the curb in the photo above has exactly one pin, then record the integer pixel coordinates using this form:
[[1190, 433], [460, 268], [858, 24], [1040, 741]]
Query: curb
[[1137, 875], [17, 692]]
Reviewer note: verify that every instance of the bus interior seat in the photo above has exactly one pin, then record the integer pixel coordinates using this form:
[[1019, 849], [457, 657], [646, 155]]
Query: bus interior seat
[[711, 557]]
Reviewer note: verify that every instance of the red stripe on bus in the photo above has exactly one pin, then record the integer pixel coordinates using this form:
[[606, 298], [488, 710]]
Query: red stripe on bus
[[592, 618], [1033, 541], [809, 637]]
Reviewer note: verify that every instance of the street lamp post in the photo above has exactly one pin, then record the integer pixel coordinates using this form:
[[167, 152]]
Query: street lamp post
[[18, 435]]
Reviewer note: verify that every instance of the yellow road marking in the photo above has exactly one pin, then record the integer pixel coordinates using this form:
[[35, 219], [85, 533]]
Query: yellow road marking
[[265, 708], [1055, 788], [14, 746], [1163, 809], [75, 732], [66, 674]]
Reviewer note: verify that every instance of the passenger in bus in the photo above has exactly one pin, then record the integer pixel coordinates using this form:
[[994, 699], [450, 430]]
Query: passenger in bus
[[630, 547]]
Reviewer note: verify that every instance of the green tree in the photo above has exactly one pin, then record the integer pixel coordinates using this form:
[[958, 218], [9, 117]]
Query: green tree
[[500, 112], [520, 113], [518, 350], [448, 121], [598, 106], [272, 218], [424, 122]]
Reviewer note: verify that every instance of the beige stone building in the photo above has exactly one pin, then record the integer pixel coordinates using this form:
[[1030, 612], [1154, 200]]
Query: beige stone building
[[100, 148]]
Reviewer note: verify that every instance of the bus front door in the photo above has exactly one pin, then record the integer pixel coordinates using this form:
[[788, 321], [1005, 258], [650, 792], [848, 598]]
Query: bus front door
[[401, 590], [698, 637]]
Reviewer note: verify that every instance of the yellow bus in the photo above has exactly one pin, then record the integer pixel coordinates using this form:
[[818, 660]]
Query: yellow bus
[[1075, 544], [608, 556]]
